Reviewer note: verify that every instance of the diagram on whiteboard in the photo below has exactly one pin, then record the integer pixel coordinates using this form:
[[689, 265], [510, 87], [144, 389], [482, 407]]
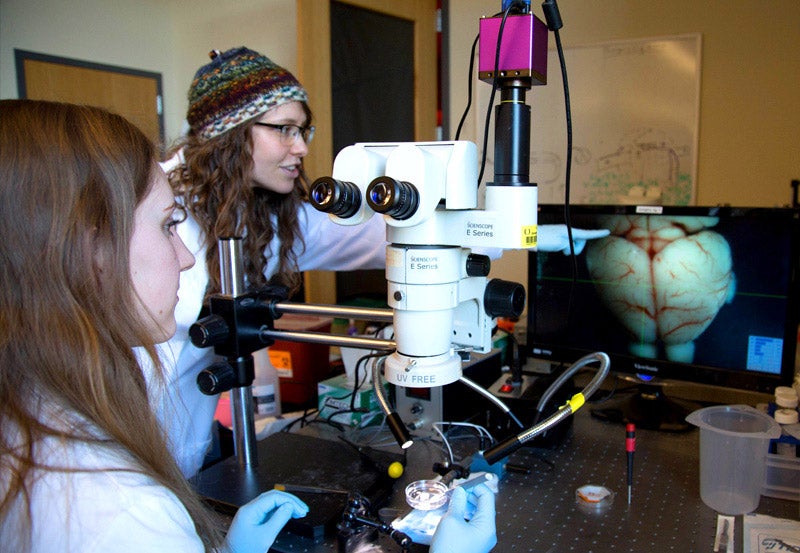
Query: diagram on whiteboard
[[635, 112]]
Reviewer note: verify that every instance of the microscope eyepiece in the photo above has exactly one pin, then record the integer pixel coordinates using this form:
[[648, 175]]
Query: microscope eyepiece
[[398, 199], [340, 198]]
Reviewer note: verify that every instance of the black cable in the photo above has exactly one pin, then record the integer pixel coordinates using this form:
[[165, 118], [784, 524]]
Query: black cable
[[469, 87], [356, 383], [514, 365], [568, 175], [554, 23], [334, 424], [303, 420]]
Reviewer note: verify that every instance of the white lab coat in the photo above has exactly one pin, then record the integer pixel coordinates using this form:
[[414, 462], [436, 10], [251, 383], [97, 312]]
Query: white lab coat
[[116, 510], [185, 412]]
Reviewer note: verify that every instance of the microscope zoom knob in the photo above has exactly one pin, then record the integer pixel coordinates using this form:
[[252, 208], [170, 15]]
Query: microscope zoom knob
[[208, 331], [478, 265], [218, 378]]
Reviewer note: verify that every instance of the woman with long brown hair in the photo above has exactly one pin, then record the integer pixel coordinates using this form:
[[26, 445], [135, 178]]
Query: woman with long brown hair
[[89, 267], [239, 172]]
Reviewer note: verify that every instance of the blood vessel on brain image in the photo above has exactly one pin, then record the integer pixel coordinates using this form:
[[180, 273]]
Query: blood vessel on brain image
[[665, 279]]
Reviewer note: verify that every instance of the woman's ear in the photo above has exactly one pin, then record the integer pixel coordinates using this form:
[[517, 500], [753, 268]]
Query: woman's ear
[[99, 251]]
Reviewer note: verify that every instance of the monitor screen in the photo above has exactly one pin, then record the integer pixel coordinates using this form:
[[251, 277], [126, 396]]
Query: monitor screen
[[696, 294]]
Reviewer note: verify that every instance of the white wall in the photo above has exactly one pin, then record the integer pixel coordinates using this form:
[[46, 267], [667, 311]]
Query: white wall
[[199, 26], [171, 37], [134, 35]]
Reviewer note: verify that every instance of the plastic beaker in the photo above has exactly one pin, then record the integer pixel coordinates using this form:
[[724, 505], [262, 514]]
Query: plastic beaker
[[734, 441]]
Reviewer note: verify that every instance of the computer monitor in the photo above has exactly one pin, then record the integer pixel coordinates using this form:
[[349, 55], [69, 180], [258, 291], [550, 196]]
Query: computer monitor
[[706, 295]]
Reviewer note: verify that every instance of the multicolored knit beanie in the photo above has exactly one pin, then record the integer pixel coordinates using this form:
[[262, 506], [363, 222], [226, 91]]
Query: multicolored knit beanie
[[236, 86]]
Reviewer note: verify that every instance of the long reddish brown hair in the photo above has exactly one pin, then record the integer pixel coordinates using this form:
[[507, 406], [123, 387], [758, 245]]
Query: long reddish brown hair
[[70, 180]]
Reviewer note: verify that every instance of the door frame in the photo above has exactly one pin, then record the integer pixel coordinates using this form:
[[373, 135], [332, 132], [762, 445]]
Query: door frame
[[314, 71]]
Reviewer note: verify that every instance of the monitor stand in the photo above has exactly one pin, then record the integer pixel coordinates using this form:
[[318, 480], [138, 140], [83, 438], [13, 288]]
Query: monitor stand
[[647, 408]]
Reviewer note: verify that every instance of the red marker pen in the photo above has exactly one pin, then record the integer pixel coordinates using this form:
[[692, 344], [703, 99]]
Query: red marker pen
[[630, 447]]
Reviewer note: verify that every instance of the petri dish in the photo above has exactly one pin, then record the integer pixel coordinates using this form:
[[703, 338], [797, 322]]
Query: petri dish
[[426, 495]]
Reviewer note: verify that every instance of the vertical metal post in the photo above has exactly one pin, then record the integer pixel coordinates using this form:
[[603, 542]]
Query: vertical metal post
[[242, 411]]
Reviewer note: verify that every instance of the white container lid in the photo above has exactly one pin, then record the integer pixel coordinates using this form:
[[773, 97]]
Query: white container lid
[[786, 416], [785, 396]]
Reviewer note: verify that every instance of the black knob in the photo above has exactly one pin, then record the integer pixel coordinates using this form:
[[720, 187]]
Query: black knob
[[478, 265], [208, 331], [219, 377], [503, 298]]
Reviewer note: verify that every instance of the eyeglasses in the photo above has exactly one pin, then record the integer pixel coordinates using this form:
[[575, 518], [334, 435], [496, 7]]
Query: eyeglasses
[[289, 133]]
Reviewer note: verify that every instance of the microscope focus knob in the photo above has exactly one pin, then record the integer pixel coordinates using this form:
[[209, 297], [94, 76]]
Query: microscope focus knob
[[217, 378], [503, 298], [478, 265], [208, 331]]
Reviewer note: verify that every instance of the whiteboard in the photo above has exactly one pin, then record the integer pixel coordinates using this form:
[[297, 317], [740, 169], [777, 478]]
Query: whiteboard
[[635, 118]]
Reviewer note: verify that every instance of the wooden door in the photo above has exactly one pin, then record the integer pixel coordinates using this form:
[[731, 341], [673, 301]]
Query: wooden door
[[132, 93], [314, 71]]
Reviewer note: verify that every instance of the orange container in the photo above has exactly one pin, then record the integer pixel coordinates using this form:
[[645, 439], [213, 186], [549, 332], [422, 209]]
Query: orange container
[[301, 365]]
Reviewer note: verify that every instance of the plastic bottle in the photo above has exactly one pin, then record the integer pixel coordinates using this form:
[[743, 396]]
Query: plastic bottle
[[266, 386]]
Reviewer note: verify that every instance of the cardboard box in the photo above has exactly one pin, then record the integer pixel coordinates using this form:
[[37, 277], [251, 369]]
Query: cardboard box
[[335, 395]]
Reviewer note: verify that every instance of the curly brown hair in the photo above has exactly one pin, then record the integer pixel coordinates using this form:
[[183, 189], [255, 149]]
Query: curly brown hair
[[215, 184]]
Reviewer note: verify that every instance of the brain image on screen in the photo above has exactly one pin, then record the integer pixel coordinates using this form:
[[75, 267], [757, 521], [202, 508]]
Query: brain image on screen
[[664, 278]]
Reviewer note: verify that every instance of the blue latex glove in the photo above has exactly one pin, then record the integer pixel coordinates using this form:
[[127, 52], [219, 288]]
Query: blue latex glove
[[257, 524], [554, 238], [477, 535]]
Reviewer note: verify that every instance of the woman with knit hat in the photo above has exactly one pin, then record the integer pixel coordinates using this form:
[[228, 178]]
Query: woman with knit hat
[[239, 172]]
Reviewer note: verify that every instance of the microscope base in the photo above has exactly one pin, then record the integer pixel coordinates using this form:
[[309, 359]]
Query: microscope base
[[285, 458]]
